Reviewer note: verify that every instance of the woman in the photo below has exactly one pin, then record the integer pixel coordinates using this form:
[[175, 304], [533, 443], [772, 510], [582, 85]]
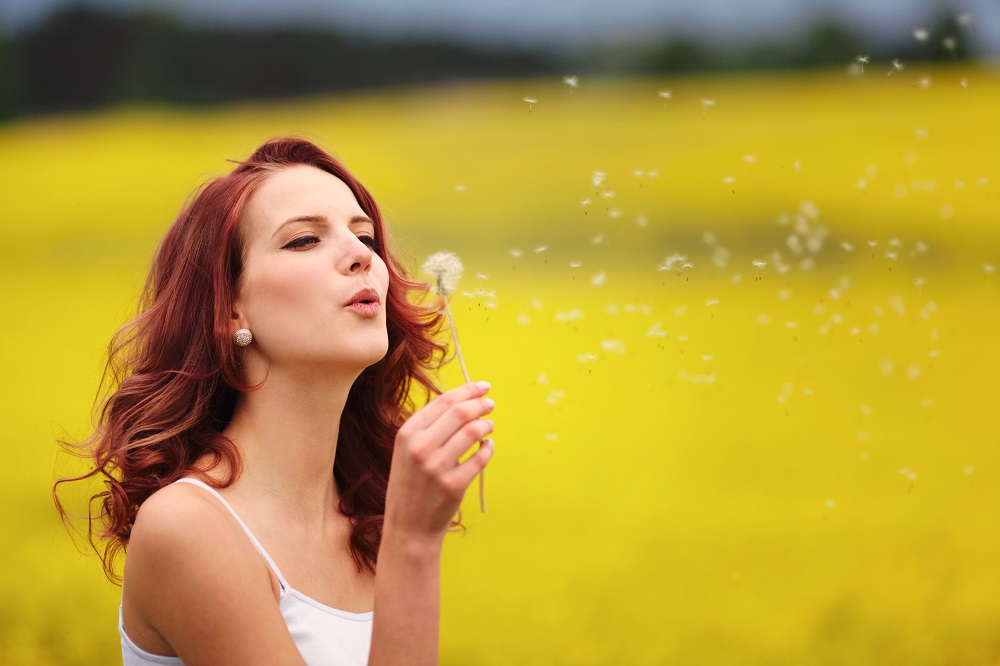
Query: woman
[[257, 402]]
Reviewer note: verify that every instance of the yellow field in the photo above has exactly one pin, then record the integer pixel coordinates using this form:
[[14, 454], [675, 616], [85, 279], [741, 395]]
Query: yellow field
[[712, 464]]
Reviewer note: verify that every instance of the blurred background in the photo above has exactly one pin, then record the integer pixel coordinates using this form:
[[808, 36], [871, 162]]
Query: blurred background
[[730, 267]]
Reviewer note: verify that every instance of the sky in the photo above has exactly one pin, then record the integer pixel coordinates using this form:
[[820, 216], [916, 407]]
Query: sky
[[555, 23]]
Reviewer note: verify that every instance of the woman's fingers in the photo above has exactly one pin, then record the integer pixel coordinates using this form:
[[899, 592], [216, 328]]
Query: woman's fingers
[[456, 417], [463, 440], [463, 475], [433, 410]]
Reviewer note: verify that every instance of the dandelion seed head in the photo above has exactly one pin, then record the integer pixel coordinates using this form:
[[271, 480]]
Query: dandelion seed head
[[446, 270]]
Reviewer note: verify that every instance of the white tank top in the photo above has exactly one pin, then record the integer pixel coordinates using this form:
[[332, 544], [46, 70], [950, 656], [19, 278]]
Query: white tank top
[[325, 636]]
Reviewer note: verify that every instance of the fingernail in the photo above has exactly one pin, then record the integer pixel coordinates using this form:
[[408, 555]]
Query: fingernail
[[490, 403], [484, 386]]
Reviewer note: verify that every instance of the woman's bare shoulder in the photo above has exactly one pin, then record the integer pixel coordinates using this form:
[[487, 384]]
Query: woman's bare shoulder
[[189, 565]]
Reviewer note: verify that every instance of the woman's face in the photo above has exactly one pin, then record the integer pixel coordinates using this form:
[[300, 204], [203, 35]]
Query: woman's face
[[313, 289]]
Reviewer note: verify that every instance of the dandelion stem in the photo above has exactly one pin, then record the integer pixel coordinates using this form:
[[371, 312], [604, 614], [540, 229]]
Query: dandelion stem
[[468, 380]]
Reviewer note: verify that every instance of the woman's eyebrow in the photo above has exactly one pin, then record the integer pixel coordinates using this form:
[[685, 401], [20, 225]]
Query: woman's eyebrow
[[300, 218], [361, 219]]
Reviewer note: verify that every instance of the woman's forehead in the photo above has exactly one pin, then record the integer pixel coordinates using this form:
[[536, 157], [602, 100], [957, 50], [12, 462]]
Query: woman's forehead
[[297, 191]]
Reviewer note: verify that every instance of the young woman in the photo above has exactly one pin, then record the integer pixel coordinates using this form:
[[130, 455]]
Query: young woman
[[258, 403]]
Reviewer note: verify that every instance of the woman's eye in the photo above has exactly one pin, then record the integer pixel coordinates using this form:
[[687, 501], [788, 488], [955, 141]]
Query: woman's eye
[[370, 242], [300, 242]]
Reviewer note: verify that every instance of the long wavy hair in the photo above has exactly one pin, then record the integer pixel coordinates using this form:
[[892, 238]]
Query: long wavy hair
[[173, 373]]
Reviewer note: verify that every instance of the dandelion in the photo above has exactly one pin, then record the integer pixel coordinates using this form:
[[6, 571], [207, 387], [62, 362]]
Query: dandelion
[[572, 81], [446, 270], [530, 101], [862, 60]]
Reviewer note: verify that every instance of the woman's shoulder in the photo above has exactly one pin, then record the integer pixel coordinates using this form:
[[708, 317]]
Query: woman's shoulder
[[189, 563], [182, 532], [179, 514]]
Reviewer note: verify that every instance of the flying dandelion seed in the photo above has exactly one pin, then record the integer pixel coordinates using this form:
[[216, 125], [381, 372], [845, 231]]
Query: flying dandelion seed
[[964, 20], [555, 396], [950, 44], [608, 194], [920, 34], [964, 82], [530, 101], [759, 264], [575, 264], [599, 279], [706, 104], [862, 60], [613, 346], [515, 253], [897, 66], [585, 202], [572, 81], [446, 269], [665, 95], [655, 331], [586, 357], [541, 248], [460, 188], [924, 83], [597, 240], [597, 178]]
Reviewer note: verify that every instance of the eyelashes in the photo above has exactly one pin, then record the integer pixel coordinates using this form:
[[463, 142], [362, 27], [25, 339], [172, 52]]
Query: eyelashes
[[371, 242], [307, 241]]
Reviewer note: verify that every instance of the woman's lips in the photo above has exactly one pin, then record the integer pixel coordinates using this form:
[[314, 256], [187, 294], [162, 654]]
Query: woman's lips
[[366, 302]]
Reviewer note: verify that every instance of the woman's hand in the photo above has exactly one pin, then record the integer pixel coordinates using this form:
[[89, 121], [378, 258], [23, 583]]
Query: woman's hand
[[427, 481]]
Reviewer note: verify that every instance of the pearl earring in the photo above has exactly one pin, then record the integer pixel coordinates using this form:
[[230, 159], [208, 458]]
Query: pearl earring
[[242, 337]]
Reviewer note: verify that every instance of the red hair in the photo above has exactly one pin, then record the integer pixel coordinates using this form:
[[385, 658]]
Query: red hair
[[173, 372]]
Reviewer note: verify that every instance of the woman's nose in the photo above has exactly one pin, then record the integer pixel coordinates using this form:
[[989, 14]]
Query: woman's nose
[[360, 256]]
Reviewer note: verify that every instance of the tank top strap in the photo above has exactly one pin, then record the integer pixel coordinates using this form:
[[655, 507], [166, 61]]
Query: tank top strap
[[253, 539]]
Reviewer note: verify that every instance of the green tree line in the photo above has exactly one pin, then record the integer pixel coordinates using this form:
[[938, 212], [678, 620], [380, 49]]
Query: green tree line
[[80, 58]]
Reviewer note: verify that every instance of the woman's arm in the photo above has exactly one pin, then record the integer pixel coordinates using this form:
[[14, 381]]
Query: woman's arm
[[426, 486]]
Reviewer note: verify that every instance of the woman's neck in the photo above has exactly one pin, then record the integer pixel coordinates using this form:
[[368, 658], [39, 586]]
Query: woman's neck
[[286, 431]]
